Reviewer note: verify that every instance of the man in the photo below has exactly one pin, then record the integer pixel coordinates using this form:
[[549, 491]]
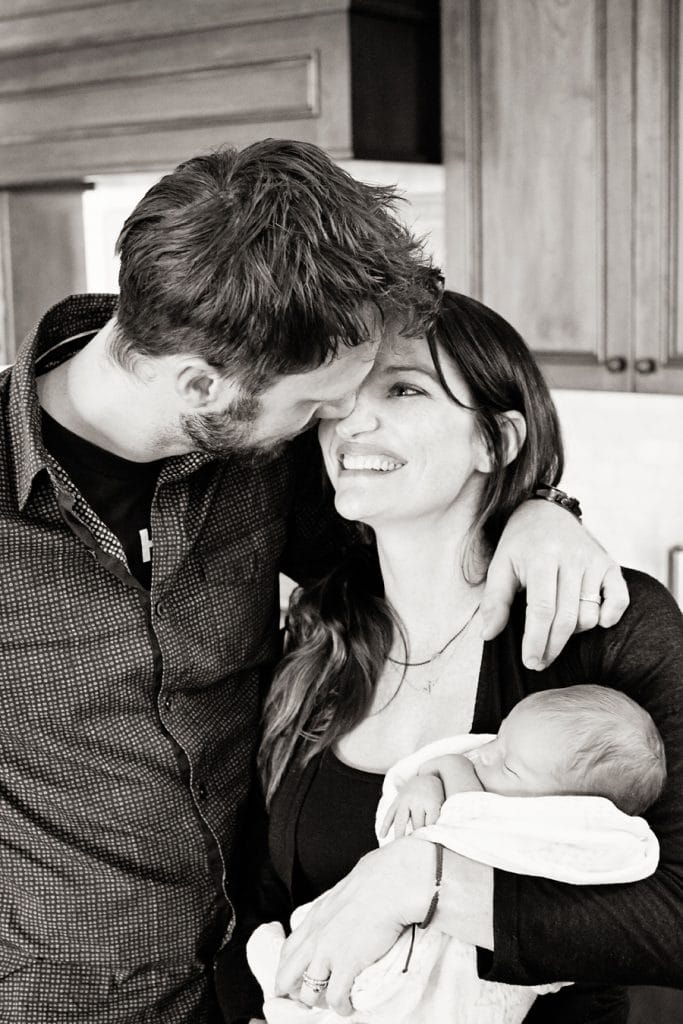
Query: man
[[141, 544]]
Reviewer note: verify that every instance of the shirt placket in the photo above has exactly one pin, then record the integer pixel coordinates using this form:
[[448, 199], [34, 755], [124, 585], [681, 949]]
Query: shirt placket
[[106, 548]]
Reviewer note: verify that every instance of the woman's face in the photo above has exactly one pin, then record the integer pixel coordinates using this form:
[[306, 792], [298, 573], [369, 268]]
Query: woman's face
[[406, 451]]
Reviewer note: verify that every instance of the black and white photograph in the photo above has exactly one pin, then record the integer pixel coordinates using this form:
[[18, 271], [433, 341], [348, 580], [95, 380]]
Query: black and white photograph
[[341, 512]]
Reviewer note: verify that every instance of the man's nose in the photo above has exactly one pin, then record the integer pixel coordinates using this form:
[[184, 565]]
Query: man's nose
[[339, 409]]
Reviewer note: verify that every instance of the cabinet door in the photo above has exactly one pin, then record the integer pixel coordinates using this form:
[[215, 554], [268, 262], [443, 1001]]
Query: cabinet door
[[658, 248], [564, 180], [537, 143]]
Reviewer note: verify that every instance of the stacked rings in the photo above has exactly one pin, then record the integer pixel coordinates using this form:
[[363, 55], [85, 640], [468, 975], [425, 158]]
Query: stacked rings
[[316, 985]]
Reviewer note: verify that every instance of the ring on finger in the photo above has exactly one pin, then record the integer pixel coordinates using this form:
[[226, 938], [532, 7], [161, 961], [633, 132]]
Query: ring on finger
[[316, 985], [591, 598]]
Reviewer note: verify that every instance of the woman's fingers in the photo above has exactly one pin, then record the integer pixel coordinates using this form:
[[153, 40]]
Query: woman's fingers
[[314, 982]]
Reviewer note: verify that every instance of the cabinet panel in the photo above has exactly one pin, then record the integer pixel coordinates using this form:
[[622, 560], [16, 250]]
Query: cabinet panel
[[81, 82], [540, 153], [658, 255]]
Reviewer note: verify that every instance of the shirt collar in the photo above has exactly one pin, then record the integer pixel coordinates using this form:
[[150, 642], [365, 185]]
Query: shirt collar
[[63, 330]]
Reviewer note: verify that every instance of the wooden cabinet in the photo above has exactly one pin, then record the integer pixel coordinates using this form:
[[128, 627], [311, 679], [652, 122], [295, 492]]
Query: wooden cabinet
[[131, 85], [114, 86], [561, 128]]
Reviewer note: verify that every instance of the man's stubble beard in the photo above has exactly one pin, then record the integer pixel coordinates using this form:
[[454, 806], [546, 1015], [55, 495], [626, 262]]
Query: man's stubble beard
[[232, 432]]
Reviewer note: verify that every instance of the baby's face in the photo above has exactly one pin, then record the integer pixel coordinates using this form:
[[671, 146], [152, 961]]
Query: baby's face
[[525, 758]]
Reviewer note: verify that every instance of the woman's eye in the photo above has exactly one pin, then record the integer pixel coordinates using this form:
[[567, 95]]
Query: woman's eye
[[399, 390]]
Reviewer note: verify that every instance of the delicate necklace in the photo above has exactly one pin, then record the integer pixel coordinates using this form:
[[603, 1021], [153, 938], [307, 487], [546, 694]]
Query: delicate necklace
[[419, 664], [431, 683]]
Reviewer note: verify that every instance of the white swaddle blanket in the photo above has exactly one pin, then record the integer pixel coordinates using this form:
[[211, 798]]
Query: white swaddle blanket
[[577, 839]]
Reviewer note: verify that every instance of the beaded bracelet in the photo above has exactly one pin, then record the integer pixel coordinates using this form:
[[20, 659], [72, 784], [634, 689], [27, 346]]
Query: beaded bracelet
[[437, 887], [431, 910]]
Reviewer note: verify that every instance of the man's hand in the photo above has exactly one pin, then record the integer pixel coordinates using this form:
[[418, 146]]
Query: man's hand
[[355, 923], [547, 552]]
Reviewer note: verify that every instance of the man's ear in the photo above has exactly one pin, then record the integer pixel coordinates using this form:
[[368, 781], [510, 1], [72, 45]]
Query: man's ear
[[513, 429], [513, 426], [201, 386]]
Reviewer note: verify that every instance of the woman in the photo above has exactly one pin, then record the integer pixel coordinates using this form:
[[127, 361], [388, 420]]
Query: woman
[[448, 436]]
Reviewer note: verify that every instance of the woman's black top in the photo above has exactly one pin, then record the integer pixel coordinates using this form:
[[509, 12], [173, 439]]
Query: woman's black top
[[336, 825], [602, 937]]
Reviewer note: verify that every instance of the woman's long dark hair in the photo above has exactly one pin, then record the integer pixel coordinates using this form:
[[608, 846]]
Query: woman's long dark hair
[[342, 628]]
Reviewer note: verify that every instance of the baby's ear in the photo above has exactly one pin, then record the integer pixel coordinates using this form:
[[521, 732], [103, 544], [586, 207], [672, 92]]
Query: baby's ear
[[513, 426]]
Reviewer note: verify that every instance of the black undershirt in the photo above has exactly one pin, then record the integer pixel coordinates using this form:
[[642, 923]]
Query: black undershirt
[[119, 491], [336, 825]]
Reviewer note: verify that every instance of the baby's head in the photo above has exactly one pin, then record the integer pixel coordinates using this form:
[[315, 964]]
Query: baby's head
[[585, 739]]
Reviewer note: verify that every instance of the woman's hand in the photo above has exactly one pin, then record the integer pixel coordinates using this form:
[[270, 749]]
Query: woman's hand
[[572, 584], [354, 924], [357, 921]]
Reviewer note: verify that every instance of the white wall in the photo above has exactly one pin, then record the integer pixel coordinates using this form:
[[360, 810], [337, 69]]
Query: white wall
[[625, 463]]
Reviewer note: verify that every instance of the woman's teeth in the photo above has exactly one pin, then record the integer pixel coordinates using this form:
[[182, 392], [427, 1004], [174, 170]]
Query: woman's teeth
[[378, 463]]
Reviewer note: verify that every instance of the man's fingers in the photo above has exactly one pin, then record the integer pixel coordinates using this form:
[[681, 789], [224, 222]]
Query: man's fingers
[[541, 606], [566, 613], [590, 598], [615, 597], [499, 593]]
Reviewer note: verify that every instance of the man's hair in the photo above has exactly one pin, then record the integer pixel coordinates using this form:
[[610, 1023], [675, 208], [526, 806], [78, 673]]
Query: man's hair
[[262, 261], [614, 748]]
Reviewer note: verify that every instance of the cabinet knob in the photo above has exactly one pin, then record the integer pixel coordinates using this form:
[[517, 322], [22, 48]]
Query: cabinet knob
[[616, 364], [645, 365]]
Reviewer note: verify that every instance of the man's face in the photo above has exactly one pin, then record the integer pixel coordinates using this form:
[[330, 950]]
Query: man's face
[[290, 405]]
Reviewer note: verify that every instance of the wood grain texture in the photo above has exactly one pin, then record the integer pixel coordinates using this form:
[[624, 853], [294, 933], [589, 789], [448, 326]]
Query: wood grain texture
[[86, 112], [29, 26], [561, 123], [658, 241]]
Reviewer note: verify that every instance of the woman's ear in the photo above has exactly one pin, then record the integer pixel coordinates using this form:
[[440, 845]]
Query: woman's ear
[[513, 432], [513, 426]]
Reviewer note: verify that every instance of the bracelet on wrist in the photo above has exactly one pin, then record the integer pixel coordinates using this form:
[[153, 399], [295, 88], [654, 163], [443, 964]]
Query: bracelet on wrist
[[438, 875], [547, 493], [434, 902]]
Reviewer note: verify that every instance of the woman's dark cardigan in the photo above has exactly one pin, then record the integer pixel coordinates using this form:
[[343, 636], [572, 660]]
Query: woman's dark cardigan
[[600, 936]]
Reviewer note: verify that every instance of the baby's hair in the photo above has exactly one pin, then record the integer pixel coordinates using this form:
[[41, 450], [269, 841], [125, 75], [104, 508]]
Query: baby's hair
[[614, 748]]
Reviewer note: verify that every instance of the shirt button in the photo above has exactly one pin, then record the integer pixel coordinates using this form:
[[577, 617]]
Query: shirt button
[[161, 609], [202, 792], [168, 703]]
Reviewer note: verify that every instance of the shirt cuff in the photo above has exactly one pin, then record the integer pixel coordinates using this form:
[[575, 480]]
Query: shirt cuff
[[503, 964]]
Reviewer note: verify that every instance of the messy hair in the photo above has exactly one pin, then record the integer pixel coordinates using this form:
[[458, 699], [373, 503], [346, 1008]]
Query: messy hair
[[264, 261], [342, 627], [613, 747]]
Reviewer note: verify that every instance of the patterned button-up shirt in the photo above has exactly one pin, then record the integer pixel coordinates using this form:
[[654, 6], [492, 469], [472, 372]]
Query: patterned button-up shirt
[[129, 718]]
